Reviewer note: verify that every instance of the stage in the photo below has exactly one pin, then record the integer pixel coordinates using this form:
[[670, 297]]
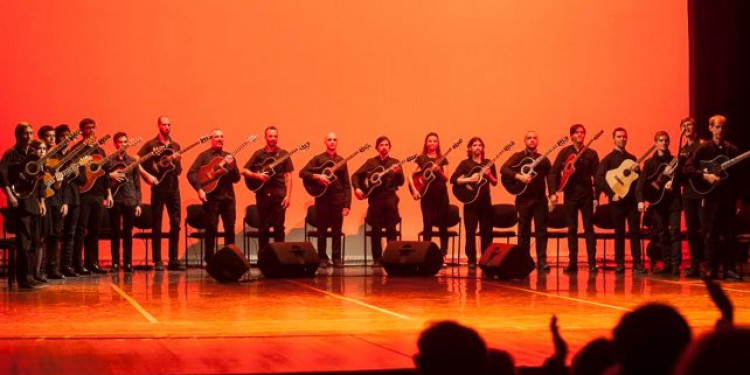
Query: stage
[[347, 319]]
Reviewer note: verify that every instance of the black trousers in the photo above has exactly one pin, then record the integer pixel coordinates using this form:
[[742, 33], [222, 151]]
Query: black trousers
[[538, 210], [694, 224], [55, 225], [720, 241], [478, 213], [328, 214], [666, 232], [622, 212], [70, 225], [435, 208], [27, 228], [225, 208], [170, 201], [383, 216], [586, 206], [121, 219], [86, 242], [272, 215]]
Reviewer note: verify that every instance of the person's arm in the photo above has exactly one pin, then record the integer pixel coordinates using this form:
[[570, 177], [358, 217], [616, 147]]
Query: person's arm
[[492, 176], [307, 171], [648, 170], [506, 170], [192, 174], [600, 181], [346, 184], [554, 174], [247, 169], [399, 178], [5, 179], [177, 160], [234, 171]]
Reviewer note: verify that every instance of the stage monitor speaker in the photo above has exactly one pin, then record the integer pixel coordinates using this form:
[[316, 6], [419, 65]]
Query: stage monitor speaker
[[506, 261], [412, 258], [288, 259], [228, 264]]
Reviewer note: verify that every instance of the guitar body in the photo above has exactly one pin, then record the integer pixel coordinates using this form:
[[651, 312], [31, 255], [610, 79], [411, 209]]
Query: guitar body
[[712, 166], [209, 174], [33, 166], [114, 184], [48, 182], [423, 178], [621, 178], [511, 184], [372, 180], [23, 186], [468, 193], [654, 190], [93, 171], [313, 186], [162, 165], [569, 167], [253, 183]]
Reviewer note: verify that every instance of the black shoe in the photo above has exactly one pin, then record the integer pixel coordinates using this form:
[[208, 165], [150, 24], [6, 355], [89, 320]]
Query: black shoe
[[324, 263], [97, 270], [472, 265], [729, 274], [26, 286], [176, 267], [593, 268], [620, 268], [676, 271], [338, 263], [666, 270], [376, 263], [82, 271], [55, 276], [571, 268], [115, 267], [158, 266], [542, 267], [127, 268], [68, 272], [638, 268], [40, 280]]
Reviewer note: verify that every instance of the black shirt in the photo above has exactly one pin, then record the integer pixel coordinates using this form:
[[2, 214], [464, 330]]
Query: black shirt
[[129, 193], [687, 153], [651, 172], [16, 156], [466, 166], [580, 184], [275, 187], [708, 151], [391, 181], [225, 188], [438, 185], [535, 189], [170, 183], [612, 161], [339, 190]]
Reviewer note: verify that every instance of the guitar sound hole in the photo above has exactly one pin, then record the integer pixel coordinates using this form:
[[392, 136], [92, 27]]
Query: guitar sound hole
[[626, 173]]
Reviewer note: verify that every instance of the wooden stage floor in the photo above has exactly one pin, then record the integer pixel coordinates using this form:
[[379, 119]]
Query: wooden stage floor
[[351, 319]]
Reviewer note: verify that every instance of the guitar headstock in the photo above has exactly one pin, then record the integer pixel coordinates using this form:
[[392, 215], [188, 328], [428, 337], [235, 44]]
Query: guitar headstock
[[251, 139], [304, 146], [134, 141], [72, 136], [364, 147], [457, 143], [204, 138], [562, 140], [104, 139], [409, 158], [158, 150], [84, 161], [509, 146], [597, 135]]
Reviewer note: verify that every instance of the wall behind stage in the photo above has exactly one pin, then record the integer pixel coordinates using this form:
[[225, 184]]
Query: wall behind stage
[[359, 68]]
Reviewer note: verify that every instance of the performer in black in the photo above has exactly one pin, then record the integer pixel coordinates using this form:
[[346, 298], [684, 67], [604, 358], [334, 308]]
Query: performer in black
[[578, 195], [334, 204], [691, 200], [274, 197], [434, 203], [718, 207], [666, 213], [478, 213], [93, 203], [533, 202], [623, 209], [127, 205], [69, 191], [57, 209], [164, 194], [221, 201], [382, 210], [24, 214]]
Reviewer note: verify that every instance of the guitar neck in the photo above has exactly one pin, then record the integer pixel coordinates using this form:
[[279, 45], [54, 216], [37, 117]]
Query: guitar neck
[[188, 147], [344, 161], [735, 160], [70, 155], [644, 156], [282, 159]]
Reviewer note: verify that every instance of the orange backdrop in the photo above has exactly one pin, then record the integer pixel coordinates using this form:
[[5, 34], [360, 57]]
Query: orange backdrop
[[359, 68]]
